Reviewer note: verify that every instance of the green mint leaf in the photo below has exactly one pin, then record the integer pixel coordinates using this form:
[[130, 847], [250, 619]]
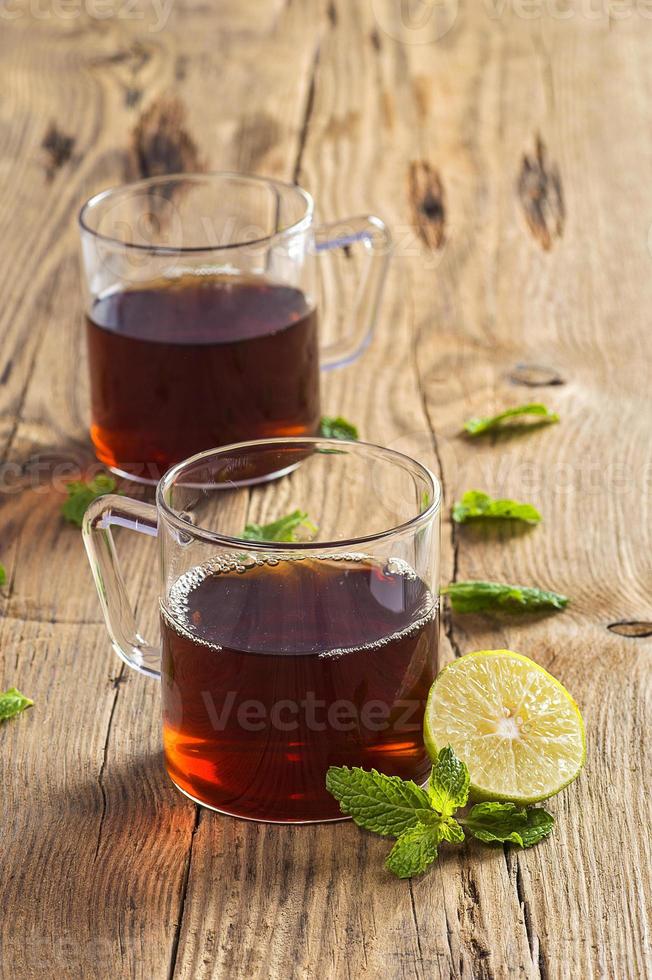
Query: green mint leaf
[[3, 575], [449, 783], [476, 426], [478, 505], [468, 597], [386, 805], [12, 702], [539, 825], [335, 427], [506, 822], [284, 529], [414, 851], [451, 831], [81, 494]]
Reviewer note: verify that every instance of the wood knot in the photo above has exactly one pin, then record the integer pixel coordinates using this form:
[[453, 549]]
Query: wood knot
[[541, 195], [634, 629], [535, 376], [427, 200], [58, 148], [160, 142]]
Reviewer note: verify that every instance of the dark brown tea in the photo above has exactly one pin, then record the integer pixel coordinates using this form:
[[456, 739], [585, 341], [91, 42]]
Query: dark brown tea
[[274, 670], [185, 364]]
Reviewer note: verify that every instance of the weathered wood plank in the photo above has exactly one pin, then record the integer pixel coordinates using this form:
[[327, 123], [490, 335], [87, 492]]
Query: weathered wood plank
[[96, 845], [509, 154], [535, 279]]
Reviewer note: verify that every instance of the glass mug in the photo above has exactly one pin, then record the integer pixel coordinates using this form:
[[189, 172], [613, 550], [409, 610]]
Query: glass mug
[[201, 314], [281, 658]]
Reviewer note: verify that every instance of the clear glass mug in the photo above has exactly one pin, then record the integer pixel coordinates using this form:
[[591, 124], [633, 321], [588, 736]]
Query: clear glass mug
[[201, 314], [280, 658]]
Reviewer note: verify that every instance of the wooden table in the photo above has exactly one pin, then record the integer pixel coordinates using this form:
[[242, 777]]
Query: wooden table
[[509, 147]]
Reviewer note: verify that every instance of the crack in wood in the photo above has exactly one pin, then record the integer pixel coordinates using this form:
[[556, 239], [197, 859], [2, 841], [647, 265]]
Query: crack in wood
[[307, 115], [535, 376], [4, 377], [174, 952], [414, 918], [445, 611], [634, 629], [541, 195], [474, 940], [427, 202], [449, 943], [58, 148], [161, 143], [534, 943], [100, 775]]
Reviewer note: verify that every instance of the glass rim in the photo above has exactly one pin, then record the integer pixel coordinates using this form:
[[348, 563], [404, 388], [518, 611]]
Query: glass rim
[[213, 537], [296, 227]]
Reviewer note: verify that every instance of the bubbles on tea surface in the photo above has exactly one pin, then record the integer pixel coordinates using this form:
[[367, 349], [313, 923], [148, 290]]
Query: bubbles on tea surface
[[397, 566], [384, 641], [178, 615]]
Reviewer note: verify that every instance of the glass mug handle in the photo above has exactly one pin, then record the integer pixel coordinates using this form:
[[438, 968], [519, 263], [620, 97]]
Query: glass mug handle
[[101, 515], [374, 235]]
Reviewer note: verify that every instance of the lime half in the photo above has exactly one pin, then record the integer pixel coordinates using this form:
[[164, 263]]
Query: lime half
[[514, 725]]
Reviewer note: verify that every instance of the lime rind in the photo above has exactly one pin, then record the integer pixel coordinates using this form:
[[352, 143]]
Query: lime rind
[[515, 726]]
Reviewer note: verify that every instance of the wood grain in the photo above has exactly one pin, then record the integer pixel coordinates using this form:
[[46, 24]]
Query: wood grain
[[510, 156]]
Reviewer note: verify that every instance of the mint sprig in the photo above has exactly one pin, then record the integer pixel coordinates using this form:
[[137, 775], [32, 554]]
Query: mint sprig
[[477, 505], [421, 821], [414, 852], [386, 805], [540, 413], [508, 823], [12, 702], [81, 494], [449, 783], [336, 427], [478, 596], [283, 529]]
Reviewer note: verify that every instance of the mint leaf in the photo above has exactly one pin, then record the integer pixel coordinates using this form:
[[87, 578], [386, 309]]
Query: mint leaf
[[449, 783], [81, 494], [12, 702], [476, 504], [399, 808], [337, 428], [451, 831], [3, 575], [284, 529], [386, 805], [414, 851], [467, 597], [507, 822], [476, 426]]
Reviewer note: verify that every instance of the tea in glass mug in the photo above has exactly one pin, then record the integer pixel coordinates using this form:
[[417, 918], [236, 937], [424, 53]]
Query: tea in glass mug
[[280, 659], [201, 314]]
